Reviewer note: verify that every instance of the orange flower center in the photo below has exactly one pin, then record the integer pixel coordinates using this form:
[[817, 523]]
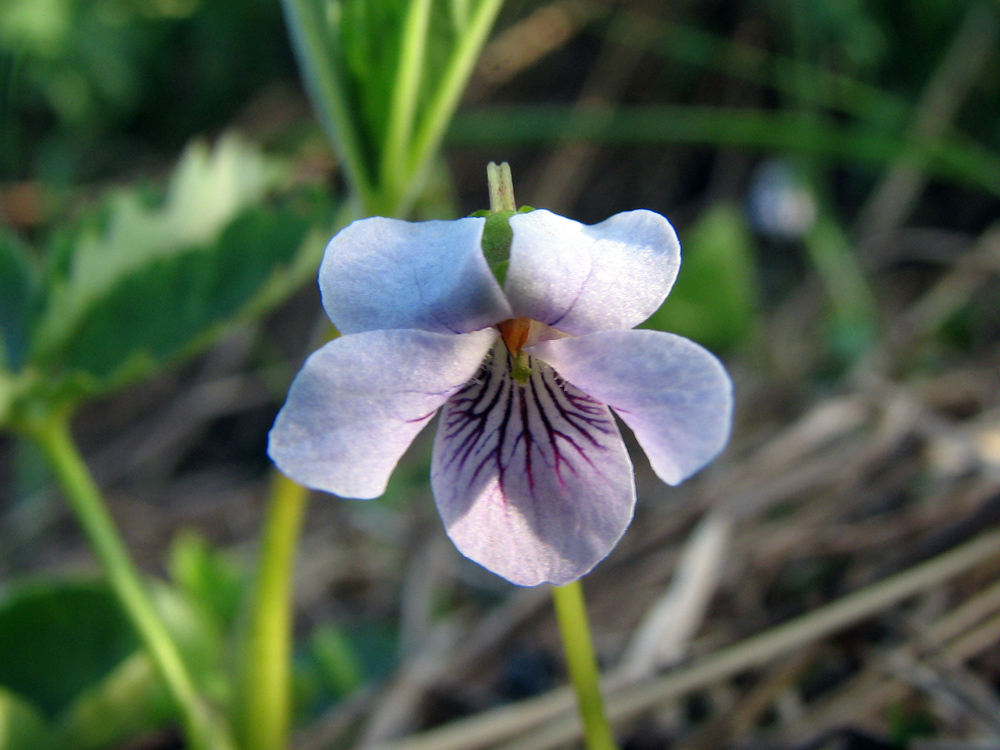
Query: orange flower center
[[515, 333]]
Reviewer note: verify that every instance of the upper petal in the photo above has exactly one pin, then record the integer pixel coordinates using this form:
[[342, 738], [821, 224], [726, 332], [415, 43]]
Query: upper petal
[[581, 279], [381, 273], [532, 481], [675, 395], [359, 401]]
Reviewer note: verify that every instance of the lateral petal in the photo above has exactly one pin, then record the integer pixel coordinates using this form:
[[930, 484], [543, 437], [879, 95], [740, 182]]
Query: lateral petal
[[359, 402], [581, 278], [674, 395], [533, 481], [381, 273]]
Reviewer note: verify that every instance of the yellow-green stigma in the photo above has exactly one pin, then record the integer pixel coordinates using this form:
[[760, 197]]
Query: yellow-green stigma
[[515, 334]]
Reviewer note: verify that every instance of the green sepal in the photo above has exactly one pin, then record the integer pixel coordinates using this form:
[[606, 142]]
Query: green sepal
[[497, 236], [500, 271]]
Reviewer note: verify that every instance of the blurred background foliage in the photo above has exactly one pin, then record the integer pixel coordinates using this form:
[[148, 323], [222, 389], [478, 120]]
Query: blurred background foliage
[[89, 88], [832, 166]]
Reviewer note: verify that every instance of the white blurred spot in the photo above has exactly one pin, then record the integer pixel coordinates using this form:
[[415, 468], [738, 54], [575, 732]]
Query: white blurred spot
[[779, 204]]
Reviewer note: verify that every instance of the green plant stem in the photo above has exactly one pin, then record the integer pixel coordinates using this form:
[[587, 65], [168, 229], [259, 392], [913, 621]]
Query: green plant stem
[[205, 731], [264, 697], [571, 612], [312, 38]]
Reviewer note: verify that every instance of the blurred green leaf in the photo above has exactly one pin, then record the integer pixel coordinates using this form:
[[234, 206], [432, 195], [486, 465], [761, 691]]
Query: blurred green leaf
[[385, 78], [41, 26], [132, 698], [156, 312], [208, 189], [129, 701], [954, 157], [371, 37], [17, 289], [338, 666], [60, 637], [825, 87], [206, 576], [22, 726], [852, 307], [715, 299], [198, 636]]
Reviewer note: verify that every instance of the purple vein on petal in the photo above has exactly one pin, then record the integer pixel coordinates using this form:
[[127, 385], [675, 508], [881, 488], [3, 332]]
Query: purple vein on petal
[[537, 469], [516, 411]]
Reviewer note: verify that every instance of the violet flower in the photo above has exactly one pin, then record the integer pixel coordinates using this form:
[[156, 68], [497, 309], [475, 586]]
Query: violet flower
[[529, 470]]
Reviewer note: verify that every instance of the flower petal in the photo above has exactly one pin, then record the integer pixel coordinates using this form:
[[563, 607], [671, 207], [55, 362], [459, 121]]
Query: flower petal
[[533, 481], [675, 395], [382, 273], [582, 279], [358, 402]]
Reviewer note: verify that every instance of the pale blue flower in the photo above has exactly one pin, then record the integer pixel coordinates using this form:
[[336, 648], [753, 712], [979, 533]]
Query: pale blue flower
[[529, 470]]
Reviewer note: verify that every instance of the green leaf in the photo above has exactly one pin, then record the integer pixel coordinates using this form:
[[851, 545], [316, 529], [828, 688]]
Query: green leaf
[[338, 665], [371, 37], [60, 637], [206, 576], [852, 308], [206, 192], [156, 312], [198, 635], [715, 299], [18, 284], [129, 701], [132, 698], [22, 726]]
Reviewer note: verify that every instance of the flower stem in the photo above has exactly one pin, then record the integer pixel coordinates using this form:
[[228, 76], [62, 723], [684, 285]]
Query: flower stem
[[205, 730], [571, 612], [501, 186], [264, 697]]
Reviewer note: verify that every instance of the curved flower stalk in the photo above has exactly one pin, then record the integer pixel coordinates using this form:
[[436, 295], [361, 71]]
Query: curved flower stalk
[[529, 470]]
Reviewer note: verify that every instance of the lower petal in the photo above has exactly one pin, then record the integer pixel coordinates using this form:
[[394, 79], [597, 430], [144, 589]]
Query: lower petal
[[359, 402], [532, 480], [675, 395]]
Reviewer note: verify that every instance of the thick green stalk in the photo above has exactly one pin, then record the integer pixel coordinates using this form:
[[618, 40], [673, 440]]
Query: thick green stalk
[[205, 730], [264, 695], [571, 612]]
